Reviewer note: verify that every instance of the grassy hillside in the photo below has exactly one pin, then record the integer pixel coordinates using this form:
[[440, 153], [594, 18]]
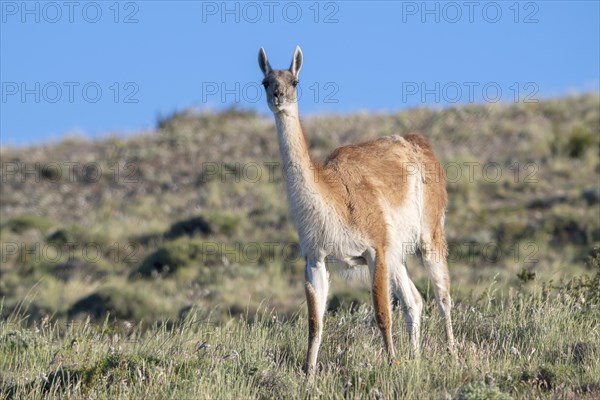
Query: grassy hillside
[[153, 242]]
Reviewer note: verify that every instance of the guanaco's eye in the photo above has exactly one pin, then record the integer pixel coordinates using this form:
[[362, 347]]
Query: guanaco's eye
[[265, 84], [295, 83]]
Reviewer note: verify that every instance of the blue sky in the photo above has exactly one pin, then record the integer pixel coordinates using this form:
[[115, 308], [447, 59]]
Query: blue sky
[[96, 68]]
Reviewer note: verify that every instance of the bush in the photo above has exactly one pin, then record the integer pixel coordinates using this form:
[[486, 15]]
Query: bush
[[163, 261], [15, 340], [586, 288], [121, 301], [211, 224], [189, 227], [24, 223], [95, 305], [225, 224], [69, 270], [178, 254], [351, 300], [579, 141], [61, 237]]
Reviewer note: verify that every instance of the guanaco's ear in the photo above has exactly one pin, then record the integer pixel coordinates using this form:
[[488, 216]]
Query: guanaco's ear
[[296, 62], [263, 62]]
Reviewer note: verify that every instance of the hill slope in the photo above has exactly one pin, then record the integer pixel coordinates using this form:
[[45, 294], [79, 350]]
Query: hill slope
[[196, 209]]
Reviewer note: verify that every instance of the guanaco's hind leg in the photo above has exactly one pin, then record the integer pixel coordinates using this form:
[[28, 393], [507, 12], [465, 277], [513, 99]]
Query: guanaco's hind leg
[[412, 302], [381, 299], [434, 259]]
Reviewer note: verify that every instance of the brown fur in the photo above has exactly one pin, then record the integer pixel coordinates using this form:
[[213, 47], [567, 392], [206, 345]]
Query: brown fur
[[355, 177], [381, 301]]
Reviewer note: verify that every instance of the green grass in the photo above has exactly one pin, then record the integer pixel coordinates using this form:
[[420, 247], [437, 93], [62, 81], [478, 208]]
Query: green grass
[[511, 345]]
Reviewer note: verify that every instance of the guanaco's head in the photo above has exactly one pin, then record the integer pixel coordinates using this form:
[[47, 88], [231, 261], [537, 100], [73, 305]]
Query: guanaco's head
[[280, 85]]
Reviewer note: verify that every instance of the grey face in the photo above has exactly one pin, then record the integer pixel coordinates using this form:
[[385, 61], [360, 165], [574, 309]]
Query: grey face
[[281, 85]]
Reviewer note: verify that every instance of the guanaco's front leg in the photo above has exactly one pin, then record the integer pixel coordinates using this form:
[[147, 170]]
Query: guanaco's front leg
[[317, 286]]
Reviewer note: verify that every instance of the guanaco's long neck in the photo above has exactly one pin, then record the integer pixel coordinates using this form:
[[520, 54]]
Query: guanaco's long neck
[[301, 174], [298, 169]]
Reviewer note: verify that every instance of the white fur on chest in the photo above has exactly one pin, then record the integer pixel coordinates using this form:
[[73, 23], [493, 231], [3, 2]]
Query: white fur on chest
[[322, 231]]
